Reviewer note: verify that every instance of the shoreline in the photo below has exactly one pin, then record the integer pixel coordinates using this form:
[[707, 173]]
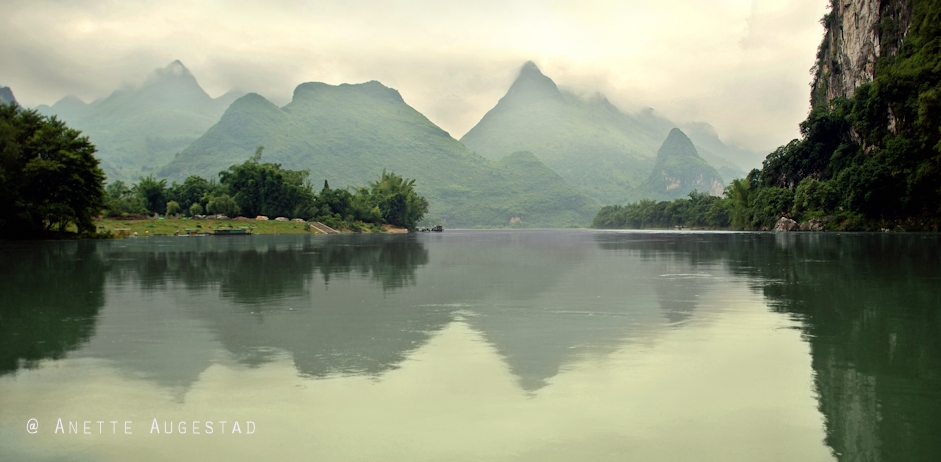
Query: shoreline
[[179, 227]]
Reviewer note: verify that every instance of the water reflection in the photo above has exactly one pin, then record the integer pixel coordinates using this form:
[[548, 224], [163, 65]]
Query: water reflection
[[259, 269], [50, 296], [264, 295], [870, 308], [672, 317]]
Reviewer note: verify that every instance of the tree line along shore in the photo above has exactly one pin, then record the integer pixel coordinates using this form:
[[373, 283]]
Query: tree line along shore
[[51, 185], [143, 226], [867, 162]]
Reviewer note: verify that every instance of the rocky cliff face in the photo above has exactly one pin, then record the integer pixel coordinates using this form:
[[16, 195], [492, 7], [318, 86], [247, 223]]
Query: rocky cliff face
[[858, 32], [679, 170]]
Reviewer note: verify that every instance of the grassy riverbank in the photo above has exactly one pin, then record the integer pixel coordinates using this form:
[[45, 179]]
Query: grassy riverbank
[[171, 226]]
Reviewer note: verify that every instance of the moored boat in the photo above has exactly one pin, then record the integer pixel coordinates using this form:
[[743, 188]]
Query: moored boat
[[232, 231]]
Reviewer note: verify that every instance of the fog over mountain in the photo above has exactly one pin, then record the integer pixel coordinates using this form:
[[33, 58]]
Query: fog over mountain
[[591, 143], [348, 134], [139, 129], [741, 65]]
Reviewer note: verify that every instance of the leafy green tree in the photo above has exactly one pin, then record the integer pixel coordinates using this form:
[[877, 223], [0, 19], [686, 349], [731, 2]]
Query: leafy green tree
[[121, 200], [397, 200], [815, 197], [195, 209], [364, 208], [267, 189], [741, 195], [49, 176], [771, 204], [117, 190], [173, 207], [224, 205], [153, 193], [193, 190], [719, 214], [335, 202]]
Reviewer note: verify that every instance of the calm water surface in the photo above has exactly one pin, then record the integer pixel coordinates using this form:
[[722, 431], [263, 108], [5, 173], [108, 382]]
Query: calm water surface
[[474, 345]]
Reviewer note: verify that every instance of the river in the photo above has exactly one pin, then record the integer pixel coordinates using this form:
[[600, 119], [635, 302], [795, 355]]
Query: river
[[509, 345]]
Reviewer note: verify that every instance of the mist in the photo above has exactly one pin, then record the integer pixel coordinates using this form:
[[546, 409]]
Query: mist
[[741, 65]]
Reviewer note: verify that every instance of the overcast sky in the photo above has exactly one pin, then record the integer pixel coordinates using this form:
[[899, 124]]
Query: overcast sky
[[741, 65]]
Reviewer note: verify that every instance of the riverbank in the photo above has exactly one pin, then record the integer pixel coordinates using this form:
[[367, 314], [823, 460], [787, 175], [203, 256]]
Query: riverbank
[[174, 226]]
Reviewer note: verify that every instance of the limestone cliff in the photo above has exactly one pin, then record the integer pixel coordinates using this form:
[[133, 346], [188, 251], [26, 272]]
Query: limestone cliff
[[858, 32], [679, 170]]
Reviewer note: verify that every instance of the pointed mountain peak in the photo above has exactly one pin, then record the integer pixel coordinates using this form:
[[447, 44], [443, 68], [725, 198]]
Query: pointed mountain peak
[[530, 68], [171, 83], [174, 70], [6, 95], [678, 134], [531, 82], [678, 170], [676, 144]]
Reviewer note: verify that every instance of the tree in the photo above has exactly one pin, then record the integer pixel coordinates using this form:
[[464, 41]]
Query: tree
[[193, 190], [398, 202], [266, 189], [121, 200], [741, 195], [173, 207], [49, 176], [196, 209], [335, 201], [224, 205], [153, 193], [812, 196]]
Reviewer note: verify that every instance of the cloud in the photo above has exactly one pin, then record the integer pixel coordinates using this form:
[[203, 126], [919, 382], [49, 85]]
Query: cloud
[[742, 65]]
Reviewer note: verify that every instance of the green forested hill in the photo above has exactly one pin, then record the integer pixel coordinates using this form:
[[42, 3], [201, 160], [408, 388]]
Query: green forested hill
[[589, 142], [346, 133], [138, 130], [679, 170]]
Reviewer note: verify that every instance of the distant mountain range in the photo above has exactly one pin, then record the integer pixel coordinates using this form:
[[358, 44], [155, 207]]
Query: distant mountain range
[[347, 134], [601, 150], [138, 130], [541, 157]]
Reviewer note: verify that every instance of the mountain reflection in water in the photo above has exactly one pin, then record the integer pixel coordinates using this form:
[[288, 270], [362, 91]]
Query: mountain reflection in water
[[868, 306]]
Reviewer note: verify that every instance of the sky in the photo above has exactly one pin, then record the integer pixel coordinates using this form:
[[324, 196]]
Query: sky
[[741, 65]]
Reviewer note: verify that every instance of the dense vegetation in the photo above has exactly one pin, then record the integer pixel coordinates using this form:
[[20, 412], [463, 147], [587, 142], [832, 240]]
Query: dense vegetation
[[345, 132], [254, 188], [49, 176], [698, 210], [867, 162]]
